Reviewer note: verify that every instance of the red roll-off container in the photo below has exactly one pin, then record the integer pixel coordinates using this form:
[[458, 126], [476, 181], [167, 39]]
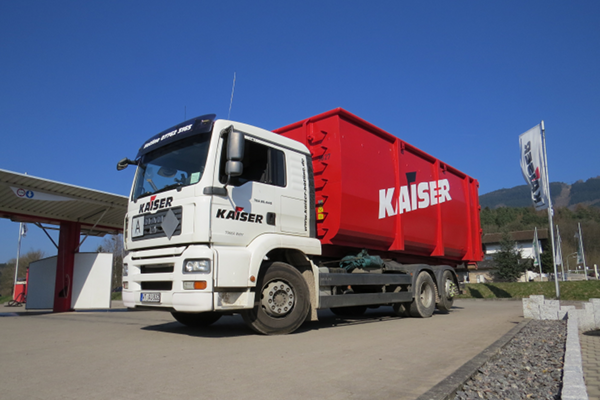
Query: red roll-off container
[[377, 192]]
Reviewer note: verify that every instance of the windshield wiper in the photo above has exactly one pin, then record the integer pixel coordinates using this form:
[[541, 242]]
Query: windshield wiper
[[177, 185], [149, 180], [143, 195], [164, 189]]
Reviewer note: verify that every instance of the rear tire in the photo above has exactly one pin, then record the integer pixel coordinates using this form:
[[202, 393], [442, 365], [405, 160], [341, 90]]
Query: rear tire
[[424, 301], [196, 320], [447, 292], [282, 301]]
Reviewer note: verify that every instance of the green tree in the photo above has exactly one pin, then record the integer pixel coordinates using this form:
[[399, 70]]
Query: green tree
[[508, 260], [487, 216], [547, 261], [530, 218], [506, 215]]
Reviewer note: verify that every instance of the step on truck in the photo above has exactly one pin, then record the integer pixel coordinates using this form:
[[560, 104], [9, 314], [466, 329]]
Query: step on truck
[[330, 212]]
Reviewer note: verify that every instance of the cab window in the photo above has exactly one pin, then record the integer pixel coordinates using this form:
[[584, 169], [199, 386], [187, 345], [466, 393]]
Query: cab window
[[262, 164]]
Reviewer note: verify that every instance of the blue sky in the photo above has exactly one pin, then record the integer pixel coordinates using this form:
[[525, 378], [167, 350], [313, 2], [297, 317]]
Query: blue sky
[[84, 83]]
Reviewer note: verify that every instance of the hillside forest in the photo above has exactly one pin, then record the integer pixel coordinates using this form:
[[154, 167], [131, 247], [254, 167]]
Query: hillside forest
[[510, 219]]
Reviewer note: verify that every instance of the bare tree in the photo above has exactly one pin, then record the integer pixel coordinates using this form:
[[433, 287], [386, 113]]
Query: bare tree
[[114, 244]]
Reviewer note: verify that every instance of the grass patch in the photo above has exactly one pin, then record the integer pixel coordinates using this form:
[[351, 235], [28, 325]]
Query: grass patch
[[116, 296], [578, 290]]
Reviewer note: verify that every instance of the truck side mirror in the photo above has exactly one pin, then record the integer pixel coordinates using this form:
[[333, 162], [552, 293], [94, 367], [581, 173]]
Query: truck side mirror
[[235, 153], [235, 145], [121, 165], [234, 168]]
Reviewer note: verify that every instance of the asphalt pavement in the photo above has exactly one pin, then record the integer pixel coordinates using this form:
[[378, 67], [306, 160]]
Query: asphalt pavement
[[121, 354]]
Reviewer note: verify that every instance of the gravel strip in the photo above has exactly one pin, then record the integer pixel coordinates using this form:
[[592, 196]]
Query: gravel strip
[[528, 367]]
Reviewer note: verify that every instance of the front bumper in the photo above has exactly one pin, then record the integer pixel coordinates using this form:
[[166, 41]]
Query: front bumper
[[160, 274]]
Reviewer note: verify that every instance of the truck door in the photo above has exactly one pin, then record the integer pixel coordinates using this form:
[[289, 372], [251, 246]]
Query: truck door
[[253, 201], [293, 217]]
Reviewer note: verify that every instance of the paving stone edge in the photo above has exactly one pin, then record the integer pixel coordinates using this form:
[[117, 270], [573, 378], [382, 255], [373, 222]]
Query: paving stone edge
[[573, 382]]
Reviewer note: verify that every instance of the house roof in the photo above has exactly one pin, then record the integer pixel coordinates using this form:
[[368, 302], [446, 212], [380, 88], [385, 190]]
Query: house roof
[[25, 198], [518, 236]]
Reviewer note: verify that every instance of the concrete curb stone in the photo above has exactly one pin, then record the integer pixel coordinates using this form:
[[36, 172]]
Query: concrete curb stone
[[573, 382]]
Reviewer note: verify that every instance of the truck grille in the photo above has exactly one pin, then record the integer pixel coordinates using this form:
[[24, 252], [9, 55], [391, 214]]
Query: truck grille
[[157, 285], [156, 269]]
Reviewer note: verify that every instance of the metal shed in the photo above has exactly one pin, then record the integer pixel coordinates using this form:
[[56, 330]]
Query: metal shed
[[76, 210]]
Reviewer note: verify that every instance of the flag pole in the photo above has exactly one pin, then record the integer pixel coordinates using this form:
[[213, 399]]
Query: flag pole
[[550, 212], [582, 253]]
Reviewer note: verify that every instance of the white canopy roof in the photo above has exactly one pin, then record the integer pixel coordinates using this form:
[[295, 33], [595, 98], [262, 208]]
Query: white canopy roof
[[25, 198]]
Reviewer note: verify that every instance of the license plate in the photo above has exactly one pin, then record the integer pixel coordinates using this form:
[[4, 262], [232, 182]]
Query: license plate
[[150, 297], [137, 226]]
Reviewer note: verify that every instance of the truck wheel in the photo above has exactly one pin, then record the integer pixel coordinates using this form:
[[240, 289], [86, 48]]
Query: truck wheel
[[282, 301], [196, 320], [424, 302], [447, 292], [353, 311]]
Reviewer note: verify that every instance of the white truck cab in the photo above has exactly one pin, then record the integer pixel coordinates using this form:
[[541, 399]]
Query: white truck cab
[[212, 202]]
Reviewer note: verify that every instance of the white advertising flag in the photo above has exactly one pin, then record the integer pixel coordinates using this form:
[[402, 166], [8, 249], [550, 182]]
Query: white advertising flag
[[532, 166], [580, 259], [558, 248], [536, 251]]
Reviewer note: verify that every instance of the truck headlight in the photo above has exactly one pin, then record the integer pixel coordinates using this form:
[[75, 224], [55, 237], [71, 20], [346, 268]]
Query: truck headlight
[[125, 270], [199, 266]]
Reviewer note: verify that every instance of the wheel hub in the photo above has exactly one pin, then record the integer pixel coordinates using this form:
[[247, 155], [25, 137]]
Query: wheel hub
[[278, 298], [451, 289], [425, 295]]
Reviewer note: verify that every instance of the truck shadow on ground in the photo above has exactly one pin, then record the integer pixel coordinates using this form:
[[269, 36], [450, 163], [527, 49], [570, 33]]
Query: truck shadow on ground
[[234, 326], [499, 293]]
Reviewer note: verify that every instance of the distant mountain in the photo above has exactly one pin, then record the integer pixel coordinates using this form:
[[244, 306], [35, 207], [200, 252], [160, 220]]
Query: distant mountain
[[563, 195]]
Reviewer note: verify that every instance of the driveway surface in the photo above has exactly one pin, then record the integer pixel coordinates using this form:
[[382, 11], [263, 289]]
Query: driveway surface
[[123, 354]]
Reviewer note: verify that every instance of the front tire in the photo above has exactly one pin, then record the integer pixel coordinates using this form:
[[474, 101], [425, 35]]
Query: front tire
[[282, 301], [196, 320], [424, 301]]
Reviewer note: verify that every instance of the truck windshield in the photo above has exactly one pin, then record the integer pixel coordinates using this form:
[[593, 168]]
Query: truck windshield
[[176, 165]]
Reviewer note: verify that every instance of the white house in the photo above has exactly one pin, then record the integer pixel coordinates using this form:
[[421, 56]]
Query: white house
[[491, 244], [524, 240]]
